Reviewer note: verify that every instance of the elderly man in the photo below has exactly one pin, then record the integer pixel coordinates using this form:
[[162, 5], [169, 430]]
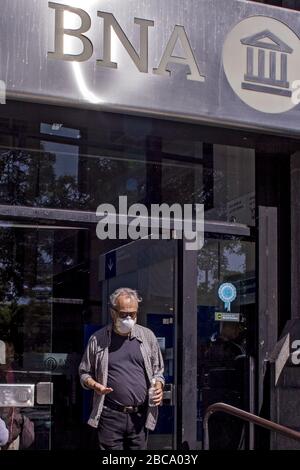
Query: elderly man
[[119, 364]]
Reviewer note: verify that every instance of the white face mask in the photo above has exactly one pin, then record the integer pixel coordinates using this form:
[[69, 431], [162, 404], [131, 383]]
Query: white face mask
[[125, 325]]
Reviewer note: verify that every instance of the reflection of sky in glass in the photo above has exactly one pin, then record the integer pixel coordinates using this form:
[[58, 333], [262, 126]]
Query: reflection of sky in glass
[[131, 184], [46, 257], [66, 163], [235, 262]]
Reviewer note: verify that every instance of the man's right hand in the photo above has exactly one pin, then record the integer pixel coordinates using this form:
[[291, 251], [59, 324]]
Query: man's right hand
[[101, 390], [98, 388]]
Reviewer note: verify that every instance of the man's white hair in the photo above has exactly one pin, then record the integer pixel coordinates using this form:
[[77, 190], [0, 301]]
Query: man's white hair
[[127, 292]]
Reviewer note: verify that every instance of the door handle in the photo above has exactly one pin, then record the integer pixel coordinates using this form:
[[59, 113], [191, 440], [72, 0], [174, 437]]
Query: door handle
[[16, 395], [168, 395], [44, 393]]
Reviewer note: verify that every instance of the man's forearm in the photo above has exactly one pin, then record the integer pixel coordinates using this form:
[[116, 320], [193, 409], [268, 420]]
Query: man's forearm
[[90, 383]]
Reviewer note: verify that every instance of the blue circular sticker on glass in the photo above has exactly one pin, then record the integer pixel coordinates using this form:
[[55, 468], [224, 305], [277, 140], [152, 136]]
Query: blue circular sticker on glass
[[227, 293]]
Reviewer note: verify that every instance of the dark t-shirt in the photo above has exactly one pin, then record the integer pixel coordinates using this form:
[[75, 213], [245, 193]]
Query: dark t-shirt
[[126, 372]]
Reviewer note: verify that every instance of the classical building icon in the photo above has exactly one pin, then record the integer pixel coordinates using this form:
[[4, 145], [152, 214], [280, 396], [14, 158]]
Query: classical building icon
[[270, 54]]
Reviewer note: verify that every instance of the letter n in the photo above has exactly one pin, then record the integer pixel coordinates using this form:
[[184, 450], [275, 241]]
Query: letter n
[[140, 60]]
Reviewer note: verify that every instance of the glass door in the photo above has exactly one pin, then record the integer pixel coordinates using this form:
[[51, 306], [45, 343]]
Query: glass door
[[150, 267], [44, 301], [226, 319]]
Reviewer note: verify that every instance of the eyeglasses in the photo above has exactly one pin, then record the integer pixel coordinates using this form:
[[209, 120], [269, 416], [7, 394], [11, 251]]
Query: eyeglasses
[[123, 314]]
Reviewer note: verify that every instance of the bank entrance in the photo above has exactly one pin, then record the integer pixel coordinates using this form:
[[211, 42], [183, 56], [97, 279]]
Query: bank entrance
[[206, 307]]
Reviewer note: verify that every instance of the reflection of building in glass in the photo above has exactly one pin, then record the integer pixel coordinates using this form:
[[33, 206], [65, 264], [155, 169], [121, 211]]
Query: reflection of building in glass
[[273, 49]]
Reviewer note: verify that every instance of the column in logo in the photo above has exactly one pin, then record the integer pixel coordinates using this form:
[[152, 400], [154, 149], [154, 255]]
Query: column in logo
[[269, 51]]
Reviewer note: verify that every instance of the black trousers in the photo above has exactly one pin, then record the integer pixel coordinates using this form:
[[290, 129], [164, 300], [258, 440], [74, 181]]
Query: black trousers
[[122, 431]]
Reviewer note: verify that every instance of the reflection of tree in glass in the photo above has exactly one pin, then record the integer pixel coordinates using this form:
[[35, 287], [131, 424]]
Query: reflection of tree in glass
[[10, 269], [179, 187], [30, 180], [25, 286], [185, 186], [11, 284], [17, 186], [216, 265], [106, 180]]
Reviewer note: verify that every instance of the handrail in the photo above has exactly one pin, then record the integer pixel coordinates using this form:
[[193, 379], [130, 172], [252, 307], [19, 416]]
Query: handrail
[[246, 416]]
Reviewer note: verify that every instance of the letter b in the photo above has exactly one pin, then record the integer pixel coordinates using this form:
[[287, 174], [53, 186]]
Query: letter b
[[60, 32]]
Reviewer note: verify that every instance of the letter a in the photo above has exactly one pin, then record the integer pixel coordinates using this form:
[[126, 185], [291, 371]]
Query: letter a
[[189, 60]]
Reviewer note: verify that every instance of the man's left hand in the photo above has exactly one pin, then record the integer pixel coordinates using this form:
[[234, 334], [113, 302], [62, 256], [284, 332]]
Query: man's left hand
[[158, 396]]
